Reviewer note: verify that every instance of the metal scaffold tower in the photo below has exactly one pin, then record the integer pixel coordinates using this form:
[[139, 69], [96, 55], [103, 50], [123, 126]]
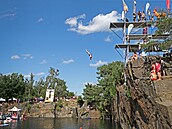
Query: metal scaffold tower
[[144, 36]]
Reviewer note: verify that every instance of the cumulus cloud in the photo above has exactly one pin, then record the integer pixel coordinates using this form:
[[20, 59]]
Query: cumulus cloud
[[15, 57], [99, 23], [22, 56], [40, 20], [73, 20], [108, 39], [68, 61], [43, 62], [27, 56], [98, 63]]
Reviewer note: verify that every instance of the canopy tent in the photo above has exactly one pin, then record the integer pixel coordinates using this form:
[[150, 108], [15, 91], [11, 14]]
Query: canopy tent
[[41, 99], [2, 100], [14, 109], [14, 99]]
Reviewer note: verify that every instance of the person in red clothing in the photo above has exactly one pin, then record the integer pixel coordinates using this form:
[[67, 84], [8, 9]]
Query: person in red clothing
[[158, 70]]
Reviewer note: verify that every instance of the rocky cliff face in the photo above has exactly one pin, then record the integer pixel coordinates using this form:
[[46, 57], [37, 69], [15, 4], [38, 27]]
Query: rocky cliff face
[[66, 109], [142, 103]]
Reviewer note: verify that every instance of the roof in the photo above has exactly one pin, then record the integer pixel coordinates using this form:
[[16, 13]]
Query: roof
[[132, 47], [136, 24]]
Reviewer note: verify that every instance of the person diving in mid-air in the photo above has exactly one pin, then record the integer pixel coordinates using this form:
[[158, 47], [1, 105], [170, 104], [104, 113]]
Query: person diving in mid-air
[[89, 54]]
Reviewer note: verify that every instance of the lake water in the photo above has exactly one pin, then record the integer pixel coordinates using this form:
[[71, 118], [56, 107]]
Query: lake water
[[61, 123]]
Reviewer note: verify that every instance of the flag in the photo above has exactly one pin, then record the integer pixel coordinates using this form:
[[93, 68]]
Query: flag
[[147, 7], [130, 27], [122, 15], [125, 7], [168, 4]]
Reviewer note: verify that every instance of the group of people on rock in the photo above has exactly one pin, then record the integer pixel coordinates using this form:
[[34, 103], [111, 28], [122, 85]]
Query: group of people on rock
[[156, 68]]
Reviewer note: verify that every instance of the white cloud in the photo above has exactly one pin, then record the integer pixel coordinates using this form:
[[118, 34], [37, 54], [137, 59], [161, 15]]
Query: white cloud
[[27, 56], [15, 57], [35, 74], [99, 63], [40, 20], [27, 76], [73, 20], [23, 56], [43, 62], [39, 74], [108, 39], [68, 61], [99, 23], [92, 83], [8, 13]]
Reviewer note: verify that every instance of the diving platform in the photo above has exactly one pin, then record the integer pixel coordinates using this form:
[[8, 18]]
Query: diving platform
[[140, 24], [147, 36], [137, 47], [132, 47]]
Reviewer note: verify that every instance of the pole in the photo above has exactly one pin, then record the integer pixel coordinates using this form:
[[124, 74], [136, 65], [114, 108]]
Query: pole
[[125, 50]]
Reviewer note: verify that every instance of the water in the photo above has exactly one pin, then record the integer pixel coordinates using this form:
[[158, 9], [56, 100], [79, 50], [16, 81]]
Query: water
[[61, 123]]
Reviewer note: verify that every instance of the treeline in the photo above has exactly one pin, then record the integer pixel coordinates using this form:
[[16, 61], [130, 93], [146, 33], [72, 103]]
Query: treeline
[[100, 96], [15, 85]]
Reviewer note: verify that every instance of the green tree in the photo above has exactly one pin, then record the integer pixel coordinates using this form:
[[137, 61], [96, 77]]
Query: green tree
[[29, 90], [92, 95], [61, 88], [109, 76], [52, 81], [12, 86], [102, 96], [40, 88]]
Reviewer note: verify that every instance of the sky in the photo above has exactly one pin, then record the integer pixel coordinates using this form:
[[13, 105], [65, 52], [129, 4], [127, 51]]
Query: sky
[[38, 34]]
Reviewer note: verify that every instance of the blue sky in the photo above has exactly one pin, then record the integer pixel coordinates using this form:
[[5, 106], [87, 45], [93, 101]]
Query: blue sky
[[38, 34]]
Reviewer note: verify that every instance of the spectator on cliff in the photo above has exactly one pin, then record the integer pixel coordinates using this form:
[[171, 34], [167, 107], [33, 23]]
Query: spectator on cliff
[[153, 74], [158, 69], [135, 56]]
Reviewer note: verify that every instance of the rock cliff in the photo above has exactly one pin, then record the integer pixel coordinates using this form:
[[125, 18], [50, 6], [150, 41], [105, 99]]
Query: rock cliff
[[143, 103], [61, 109]]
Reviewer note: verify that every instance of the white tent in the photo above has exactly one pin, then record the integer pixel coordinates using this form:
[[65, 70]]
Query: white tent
[[14, 109], [14, 99], [2, 100]]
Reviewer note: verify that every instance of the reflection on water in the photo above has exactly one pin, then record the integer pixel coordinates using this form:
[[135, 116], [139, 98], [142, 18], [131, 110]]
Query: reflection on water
[[61, 123]]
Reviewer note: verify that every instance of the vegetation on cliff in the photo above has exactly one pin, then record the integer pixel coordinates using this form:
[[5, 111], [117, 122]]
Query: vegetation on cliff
[[164, 26], [101, 96]]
